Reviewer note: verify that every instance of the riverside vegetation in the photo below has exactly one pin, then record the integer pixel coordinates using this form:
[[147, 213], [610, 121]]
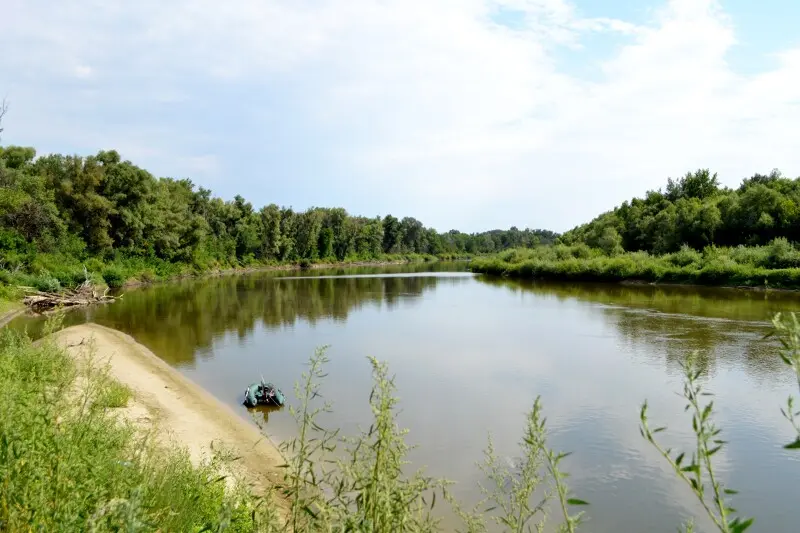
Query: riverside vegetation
[[63, 216], [68, 463], [694, 232]]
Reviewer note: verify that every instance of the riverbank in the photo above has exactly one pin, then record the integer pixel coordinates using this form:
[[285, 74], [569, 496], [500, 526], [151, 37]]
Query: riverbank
[[56, 273], [752, 268], [10, 307], [282, 267], [85, 446], [180, 412]]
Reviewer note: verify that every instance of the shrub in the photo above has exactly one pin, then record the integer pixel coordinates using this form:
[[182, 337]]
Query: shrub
[[93, 265], [113, 277], [113, 394], [781, 254], [147, 276], [46, 283], [685, 256]]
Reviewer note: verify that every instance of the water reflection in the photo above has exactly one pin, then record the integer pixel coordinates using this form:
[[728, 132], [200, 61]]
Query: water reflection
[[180, 321], [666, 323], [260, 414]]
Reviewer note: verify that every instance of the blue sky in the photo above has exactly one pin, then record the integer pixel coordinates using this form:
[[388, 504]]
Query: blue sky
[[469, 114]]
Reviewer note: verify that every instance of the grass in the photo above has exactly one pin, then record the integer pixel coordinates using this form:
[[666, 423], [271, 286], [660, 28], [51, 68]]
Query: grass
[[65, 466], [113, 395], [776, 265]]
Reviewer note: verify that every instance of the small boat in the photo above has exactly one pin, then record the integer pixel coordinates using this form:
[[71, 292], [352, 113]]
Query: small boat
[[263, 393]]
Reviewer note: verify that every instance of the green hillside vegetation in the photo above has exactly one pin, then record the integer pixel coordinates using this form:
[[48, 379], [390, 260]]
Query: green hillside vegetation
[[60, 213], [693, 232]]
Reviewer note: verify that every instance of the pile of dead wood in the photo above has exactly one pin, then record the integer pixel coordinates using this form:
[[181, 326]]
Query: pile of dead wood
[[85, 294]]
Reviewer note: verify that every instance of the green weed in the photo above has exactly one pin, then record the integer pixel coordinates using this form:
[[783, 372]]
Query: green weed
[[774, 265], [67, 467]]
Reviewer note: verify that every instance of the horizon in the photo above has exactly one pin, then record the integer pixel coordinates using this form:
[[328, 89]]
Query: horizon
[[474, 115]]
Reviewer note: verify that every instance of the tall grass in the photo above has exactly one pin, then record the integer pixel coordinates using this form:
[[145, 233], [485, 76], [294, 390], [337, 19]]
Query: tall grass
[[775, 265], [66, 465]]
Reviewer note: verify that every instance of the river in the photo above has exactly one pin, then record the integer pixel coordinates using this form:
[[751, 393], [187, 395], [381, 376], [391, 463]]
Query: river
[[470, 354]]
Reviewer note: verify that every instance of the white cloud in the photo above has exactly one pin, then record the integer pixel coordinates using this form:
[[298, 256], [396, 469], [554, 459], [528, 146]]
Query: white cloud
[[440, 95]]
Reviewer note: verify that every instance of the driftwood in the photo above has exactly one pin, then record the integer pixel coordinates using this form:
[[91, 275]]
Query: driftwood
[[84, 294]]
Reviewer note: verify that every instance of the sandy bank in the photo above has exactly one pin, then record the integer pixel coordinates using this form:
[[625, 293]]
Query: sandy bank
[[8, 316], [178, 408]]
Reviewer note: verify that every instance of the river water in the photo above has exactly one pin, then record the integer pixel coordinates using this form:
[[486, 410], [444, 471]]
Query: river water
[[470, 354]]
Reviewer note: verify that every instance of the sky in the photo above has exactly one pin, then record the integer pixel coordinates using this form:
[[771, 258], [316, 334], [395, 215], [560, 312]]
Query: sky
[[467, 114]]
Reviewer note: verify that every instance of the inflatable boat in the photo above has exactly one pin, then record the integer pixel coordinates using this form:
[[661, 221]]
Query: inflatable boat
[[263, 393]]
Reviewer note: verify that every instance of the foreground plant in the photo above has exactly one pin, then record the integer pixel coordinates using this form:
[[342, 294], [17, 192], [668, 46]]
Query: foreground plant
[[787, 331], [511, 501], [66, 465], [371, 489], [699, 473], [364, 486]]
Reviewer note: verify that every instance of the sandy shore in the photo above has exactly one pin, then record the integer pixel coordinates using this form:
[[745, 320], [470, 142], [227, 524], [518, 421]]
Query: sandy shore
[[177, 408], [8, 316]]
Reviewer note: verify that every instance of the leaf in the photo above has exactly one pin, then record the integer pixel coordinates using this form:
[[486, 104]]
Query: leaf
[[737, 526], [576, 501], [679, 459], [794, 445], [731, 491], [707, 411]]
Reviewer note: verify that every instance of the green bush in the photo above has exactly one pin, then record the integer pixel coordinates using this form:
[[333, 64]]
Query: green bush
[[147, 276], [113, 394], [93, 264], [46, 283], [113, 277], [714, 266], [685, 256]]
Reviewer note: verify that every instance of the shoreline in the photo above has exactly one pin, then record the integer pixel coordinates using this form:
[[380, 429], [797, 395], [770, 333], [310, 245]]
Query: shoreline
[[133, 283], [180, 411], [632, 282], [8, 316]]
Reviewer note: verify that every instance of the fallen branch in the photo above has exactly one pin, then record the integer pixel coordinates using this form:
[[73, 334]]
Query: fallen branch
[[83, 295]]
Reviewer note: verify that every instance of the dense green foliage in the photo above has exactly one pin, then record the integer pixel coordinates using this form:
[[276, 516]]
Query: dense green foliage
[[774, 265], [59, 212], [694, 210], [693, 232]]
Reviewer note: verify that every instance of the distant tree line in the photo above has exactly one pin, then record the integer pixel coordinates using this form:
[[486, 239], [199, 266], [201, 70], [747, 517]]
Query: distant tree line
[[103, 206], [694, 210]]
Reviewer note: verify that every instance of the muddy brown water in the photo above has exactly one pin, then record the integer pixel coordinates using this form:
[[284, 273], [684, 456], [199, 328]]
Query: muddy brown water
[[471, 353]]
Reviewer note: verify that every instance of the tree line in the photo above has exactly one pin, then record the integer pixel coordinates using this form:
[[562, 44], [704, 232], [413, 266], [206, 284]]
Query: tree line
[[694, 210], [104, 206]]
